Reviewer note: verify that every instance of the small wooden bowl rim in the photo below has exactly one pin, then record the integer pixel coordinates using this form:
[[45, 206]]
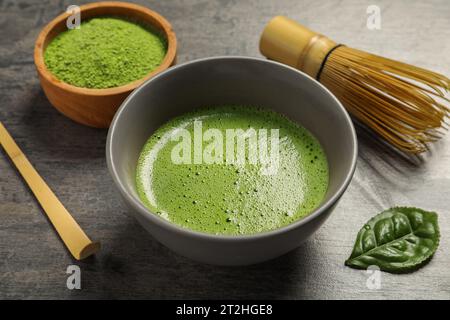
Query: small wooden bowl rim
[[168, 60]]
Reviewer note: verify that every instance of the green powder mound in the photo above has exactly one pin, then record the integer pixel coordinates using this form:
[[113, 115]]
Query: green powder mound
[[104, 52], [232, 199]]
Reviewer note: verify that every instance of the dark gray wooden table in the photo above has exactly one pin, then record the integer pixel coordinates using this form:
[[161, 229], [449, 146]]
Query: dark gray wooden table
[[132, 264]]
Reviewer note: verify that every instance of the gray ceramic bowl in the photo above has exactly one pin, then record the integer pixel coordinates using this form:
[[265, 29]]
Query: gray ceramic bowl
[[231, 80]]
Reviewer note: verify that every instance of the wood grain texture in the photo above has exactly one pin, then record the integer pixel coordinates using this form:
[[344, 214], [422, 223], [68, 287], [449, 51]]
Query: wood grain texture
[[71, 158]]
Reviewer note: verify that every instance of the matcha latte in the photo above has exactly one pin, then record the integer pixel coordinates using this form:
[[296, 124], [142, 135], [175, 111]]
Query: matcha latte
[[232, 170]]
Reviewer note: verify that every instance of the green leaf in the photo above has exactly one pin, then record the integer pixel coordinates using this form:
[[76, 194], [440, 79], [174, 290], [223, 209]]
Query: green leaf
[[397, 240]]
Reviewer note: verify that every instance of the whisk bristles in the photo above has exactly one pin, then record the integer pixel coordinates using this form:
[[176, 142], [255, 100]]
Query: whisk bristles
[[404, 104]]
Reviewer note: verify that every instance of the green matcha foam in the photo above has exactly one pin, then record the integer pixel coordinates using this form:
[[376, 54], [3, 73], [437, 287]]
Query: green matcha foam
[[225, 197]]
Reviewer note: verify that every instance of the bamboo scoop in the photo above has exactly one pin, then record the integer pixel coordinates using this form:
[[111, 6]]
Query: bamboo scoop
[[79, 245]]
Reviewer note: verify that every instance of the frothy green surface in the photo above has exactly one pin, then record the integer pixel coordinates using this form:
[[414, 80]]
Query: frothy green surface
[[228, 198]]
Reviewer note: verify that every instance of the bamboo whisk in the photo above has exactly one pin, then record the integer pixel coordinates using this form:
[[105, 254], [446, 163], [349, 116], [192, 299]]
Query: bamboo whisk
[[404, 104]]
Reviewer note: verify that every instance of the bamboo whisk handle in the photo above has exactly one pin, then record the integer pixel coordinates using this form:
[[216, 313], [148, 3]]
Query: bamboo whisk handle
[[291, 43]]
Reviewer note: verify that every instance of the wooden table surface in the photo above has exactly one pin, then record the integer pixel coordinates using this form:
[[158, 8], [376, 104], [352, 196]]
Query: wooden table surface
[[71, 158]]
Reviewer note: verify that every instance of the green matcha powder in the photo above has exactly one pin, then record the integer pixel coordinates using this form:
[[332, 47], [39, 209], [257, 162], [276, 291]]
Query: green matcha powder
[[104, 52]]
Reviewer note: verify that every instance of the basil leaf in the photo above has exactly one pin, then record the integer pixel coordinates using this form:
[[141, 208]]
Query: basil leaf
[[397, 240]]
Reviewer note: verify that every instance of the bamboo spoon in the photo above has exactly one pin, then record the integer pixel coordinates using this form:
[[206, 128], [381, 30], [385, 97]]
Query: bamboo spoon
[[79, 245]]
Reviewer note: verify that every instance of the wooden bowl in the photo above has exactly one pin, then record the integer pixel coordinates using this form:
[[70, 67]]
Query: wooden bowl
[[96, 107]]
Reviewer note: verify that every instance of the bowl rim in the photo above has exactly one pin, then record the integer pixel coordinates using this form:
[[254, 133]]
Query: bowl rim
[[169, 58], [146, 213]]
